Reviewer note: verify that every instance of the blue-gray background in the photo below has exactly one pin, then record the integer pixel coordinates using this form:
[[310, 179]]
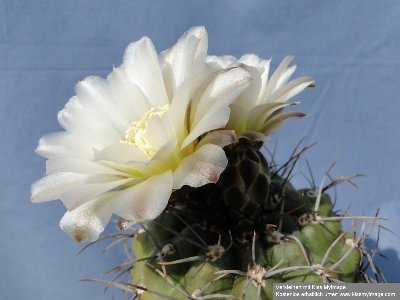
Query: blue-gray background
[[351, 48]]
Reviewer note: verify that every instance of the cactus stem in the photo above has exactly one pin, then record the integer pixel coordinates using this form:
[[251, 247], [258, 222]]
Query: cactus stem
[[244, 289], [170, 281], [174, 232], [190, 228], [356, 243], [300, 244], [199, 292], [328, 251]]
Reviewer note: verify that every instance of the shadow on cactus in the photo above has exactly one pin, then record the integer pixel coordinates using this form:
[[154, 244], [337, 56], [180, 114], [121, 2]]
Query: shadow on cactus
[[235, 238]]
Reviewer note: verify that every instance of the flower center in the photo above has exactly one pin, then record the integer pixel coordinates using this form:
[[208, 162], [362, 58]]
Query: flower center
[[137, 133]]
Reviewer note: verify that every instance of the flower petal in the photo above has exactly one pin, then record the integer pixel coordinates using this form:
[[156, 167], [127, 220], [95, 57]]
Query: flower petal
[[250, 60], [258, 115], [75, 118], [93, 187], [160, 130], [237, 118], [291, 89], [214, 120], [219, 137], [120, 153], [201, 167], [77, 165], [222, 61], [185, 57], [95, 96], [223, 89], [142, 68], [146, 200], [275, 122], [272, 82], [127, 96], [52, 186], [85, 223], [166, 152], [249, 97]]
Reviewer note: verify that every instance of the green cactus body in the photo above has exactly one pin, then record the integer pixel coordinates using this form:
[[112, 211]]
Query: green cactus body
[[239, 236]]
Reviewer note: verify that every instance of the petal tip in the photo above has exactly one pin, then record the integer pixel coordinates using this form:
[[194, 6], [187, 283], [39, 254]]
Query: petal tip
[[82, 225]]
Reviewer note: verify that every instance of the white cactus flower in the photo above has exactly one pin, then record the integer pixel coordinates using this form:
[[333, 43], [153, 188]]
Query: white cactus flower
[[258, 111], [129, 140]]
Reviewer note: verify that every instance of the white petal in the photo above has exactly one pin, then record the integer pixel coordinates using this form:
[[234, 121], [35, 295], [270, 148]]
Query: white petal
[[165, 152], [93, 187], [91, 122], [95, 96], [77, 165], [53, 144], [286, 76], [249, 97], [219, 137], [250, 60], [237, 118], [120, 153], [146, 200], [187, 55], [225, 87], [142, 68], [224, 61], [275, 122], [214, 120], [272, 83], [290, 89], [160, 130], [52, 186], [260, 113], [88, 221], [179, 109], [201, 167], [264, 79], [127, 96]]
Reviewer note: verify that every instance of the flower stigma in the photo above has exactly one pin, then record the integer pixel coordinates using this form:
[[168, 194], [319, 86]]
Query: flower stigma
[[137, 134]]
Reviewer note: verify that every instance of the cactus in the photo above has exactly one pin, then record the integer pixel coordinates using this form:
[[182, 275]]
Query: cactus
[[235, 238], [172, 142]]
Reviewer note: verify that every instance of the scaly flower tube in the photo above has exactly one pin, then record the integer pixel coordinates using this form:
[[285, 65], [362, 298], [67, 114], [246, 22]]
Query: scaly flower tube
[[258, 111], [129, 140]]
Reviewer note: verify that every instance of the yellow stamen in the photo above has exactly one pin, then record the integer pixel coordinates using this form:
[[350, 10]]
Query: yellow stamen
[[137, 133]]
